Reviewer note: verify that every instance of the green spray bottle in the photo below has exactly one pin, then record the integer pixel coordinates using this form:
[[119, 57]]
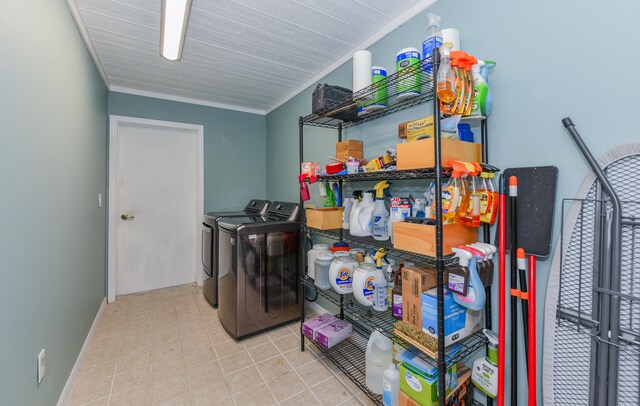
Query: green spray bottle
[[485, 370], [482, 98]]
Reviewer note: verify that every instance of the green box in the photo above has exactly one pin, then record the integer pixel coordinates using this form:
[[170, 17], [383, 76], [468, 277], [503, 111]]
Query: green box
[[419, 381]]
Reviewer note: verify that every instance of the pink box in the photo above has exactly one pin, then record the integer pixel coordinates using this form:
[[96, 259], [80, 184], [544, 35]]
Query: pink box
[[333, 333], [310, 327]]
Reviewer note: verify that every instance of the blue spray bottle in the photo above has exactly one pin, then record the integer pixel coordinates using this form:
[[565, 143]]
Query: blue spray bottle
[[475, 297]]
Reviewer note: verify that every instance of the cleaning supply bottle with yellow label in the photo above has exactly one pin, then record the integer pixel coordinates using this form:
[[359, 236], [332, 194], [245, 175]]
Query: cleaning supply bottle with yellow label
[[457, 61], [446, 87], [488, 197], [471, 217], [452, 195], [380, 228], [471, 60]]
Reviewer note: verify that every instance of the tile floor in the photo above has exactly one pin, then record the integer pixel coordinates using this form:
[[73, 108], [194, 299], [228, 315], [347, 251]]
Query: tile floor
[[167, 347]]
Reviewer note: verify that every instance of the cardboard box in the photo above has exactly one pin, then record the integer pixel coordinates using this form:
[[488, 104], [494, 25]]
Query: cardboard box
[[333, 333], [328, 218], [349, 148], [416, 128], [310, 168], [459, 322], [419, 154], [461, 395], [421, 238], [415, 280], [310, 327]]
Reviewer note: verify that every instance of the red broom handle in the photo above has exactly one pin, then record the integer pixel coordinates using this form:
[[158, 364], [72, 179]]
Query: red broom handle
[[532, 331], [502, 285]]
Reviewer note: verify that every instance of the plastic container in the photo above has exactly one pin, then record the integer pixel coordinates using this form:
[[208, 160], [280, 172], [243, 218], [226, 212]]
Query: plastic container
[[380, 294], [341, 274], [322, 263], [407, 66], [433, 40], [464, 132], [352, 167], [390, 385], [340, 246], [379, 87], [361, 213], [311, 257], [363, 277], [378, 357]]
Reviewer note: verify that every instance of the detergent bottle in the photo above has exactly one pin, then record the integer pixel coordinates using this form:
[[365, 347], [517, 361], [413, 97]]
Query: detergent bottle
[[485, 370], [363, 288], [380, 227], [346, 213], [482, 99], [380, 295], [378, 357], [476, 296], [482, 263], [432, 40], [446, 81], [361, 214]]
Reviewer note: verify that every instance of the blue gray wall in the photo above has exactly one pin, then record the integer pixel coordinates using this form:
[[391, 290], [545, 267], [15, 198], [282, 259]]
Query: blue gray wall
[[555, 59], [234, 146], [53, 127]]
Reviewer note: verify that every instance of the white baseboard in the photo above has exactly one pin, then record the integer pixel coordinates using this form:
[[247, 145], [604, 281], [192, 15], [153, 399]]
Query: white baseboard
[[71, 381]]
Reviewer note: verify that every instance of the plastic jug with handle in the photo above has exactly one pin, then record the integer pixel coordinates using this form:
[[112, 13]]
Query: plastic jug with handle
[[377, 359], [361, 215]]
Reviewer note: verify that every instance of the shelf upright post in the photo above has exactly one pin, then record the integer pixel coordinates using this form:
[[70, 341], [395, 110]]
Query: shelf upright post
[[301, 237], [486, 235], [442, 367], [341, 230]]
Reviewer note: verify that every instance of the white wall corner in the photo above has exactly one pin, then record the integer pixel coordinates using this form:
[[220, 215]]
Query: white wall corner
[[84, 33]]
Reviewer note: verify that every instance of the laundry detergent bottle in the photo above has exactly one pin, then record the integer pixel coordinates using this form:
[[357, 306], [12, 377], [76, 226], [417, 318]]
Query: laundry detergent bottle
[[341, 274], [380, 220], [361, 215], [363, 289], [476, 296]]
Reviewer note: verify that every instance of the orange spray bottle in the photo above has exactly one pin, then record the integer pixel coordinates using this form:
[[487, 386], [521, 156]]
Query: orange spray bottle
[[446, 87], [472, 215], [471, 60], [488, 198]]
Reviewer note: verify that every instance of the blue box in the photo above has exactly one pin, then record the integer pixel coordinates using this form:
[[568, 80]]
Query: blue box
[[459, 322]]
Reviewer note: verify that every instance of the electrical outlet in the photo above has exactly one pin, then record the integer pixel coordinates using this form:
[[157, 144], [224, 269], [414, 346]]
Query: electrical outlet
[[99, 200], [41, 365]]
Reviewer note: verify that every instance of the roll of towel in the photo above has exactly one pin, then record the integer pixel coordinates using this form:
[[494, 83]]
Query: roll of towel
[[361, 72]]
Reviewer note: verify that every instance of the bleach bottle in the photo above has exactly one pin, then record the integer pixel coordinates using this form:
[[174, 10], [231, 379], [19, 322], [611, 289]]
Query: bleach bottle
[[361, 214], [476, 295], [378, 357]]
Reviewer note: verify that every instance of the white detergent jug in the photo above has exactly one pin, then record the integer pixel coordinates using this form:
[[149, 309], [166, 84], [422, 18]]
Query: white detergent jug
[[361, 213], [363, 277], [377, 358], [341, 274]]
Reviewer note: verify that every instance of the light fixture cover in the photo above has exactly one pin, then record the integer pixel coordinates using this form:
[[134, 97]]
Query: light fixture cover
[[173, 27]]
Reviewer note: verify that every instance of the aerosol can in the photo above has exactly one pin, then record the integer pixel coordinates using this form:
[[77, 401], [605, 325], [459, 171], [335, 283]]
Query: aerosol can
[[485, 370]]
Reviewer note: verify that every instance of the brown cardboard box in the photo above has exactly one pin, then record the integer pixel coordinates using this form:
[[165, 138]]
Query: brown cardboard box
[[325, 219], [419, 154], [415, 280], [405, 400], [349, 148], [421, 238], [416, 128]]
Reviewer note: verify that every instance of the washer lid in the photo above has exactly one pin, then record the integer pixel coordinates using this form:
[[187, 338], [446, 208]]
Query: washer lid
[[231, 223]]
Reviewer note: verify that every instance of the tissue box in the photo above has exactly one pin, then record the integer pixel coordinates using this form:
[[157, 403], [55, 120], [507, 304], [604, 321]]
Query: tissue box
[[459, 322], [310, 327], [333, 333]]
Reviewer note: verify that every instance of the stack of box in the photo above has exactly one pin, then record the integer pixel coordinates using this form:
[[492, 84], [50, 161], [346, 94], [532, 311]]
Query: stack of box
[[351, 148]]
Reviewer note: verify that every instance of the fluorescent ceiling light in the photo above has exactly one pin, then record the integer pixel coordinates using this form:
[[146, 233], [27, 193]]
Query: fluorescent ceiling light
[[175, 18]]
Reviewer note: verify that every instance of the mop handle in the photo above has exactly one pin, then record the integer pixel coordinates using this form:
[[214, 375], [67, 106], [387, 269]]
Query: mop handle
[[532, 331], [502, 284]]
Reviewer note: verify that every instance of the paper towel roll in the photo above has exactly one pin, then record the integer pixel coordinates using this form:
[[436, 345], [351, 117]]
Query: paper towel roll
[[361, 71], [451, 35]]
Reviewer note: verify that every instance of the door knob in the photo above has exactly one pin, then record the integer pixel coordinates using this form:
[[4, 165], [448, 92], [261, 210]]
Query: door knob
[[127, 217]]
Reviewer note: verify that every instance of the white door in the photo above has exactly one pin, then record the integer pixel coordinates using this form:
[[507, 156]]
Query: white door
[[155, 204]]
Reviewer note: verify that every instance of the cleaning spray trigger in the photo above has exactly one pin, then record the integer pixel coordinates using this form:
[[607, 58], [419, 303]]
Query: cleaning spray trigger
[[476, 296]]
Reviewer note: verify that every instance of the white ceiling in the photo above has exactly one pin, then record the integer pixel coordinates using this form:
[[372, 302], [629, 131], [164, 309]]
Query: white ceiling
[[248, 55]]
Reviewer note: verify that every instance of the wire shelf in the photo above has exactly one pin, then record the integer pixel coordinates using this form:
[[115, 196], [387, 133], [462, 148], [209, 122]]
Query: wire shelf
[[426, 173], [369, 243], [370, 320], [325, 119]]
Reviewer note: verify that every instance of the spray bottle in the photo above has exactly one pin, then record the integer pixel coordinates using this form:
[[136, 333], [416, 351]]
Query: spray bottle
[[471, 60], [446, 80], [304, 189], [432, 40], [380, 229], [380, 301], [485, 370], [454, 197], [475, 297], [482, 99], [488, 198], [471, 216]]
